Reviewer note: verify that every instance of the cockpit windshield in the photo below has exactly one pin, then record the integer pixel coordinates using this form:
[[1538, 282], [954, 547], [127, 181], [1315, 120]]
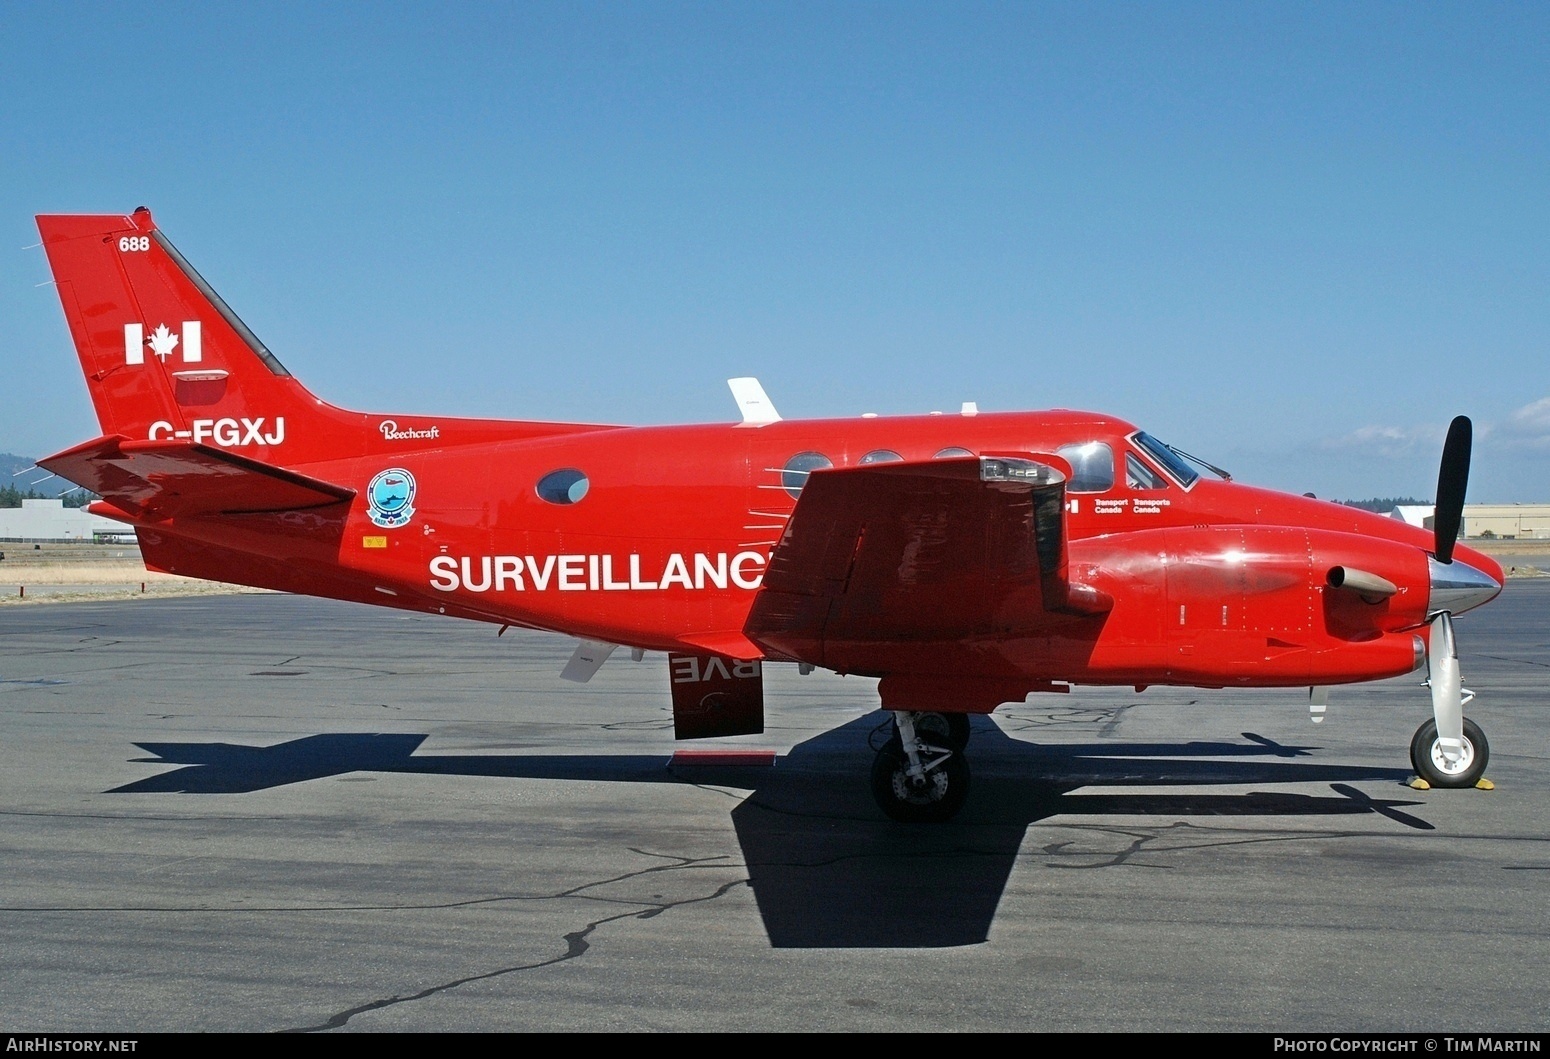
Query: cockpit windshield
[[1172, 462]]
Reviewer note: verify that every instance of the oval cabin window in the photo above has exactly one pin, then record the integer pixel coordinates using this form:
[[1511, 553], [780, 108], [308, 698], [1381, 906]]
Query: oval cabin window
[[566, 486], [794, 476]]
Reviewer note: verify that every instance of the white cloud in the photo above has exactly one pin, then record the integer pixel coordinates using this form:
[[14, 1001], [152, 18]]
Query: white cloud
[[1388, 442], [1531, 423], [1526, 428]]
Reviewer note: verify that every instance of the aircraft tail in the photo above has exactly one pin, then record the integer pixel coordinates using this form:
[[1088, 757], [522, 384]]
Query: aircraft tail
[[165, 358]]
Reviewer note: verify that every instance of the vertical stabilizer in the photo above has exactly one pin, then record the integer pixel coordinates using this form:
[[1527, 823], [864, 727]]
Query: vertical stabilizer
[[165, 358]]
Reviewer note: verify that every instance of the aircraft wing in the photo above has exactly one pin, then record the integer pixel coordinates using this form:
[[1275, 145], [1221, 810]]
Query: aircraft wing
[[950, 549], [155, 480]]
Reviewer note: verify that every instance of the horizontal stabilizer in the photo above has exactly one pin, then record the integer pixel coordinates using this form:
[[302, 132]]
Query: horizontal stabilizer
[[157, 480]]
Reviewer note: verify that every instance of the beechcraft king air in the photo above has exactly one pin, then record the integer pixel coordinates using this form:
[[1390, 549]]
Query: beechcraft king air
[[966, 560]]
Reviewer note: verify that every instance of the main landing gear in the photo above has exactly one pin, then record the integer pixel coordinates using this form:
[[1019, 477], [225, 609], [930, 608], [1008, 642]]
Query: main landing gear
[[920, 775]]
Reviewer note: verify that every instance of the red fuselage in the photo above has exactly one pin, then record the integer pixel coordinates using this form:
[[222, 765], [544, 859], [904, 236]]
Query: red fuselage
[[1214, 584]]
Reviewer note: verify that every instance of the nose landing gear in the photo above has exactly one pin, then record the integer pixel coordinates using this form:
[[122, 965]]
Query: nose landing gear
[[1444, 766], [1449, 750]]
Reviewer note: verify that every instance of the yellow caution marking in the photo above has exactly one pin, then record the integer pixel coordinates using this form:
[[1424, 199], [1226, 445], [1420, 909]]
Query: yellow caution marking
[[373, 542]]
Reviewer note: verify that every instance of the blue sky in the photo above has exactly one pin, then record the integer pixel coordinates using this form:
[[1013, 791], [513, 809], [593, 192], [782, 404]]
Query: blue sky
[[1293, 238]]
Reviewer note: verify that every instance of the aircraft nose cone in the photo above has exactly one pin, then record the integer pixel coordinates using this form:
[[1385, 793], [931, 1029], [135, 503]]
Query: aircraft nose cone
[[1457, 586]]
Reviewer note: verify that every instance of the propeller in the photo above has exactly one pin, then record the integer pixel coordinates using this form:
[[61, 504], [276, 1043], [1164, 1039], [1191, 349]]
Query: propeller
[[1452, 479]]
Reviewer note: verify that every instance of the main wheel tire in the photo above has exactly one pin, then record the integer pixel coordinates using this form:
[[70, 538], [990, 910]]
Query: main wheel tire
[[946, 787], [1431, 766], [951, 727]]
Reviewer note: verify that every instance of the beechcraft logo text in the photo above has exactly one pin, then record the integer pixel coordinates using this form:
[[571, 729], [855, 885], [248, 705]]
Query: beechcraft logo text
[[162, 342]]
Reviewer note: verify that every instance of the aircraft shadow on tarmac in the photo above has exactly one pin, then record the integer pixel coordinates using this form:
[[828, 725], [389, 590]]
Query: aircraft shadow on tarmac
[[826, 868]]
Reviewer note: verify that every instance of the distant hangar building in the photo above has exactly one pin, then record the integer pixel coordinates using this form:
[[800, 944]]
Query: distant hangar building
[[49, 521], [1530, 522]]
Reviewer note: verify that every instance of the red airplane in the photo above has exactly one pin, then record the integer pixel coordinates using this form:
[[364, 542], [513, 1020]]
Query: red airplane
[[967, 560]]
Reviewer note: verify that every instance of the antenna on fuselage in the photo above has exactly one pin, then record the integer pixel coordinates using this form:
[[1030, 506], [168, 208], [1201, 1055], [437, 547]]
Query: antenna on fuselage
[[753, 402]]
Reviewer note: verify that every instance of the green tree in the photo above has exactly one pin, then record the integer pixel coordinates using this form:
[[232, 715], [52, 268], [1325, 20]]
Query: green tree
[[10, 496], [1384, 504]]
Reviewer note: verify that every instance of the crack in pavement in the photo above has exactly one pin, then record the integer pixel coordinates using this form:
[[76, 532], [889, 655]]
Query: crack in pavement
[[731, 793], [576, 941], [679, 864], [1523, 661], [1107, 729], [1104, 717], [89, 643], [1142, 840]]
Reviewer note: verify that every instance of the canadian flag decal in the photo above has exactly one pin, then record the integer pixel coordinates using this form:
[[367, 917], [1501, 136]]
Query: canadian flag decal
[[163, 341]]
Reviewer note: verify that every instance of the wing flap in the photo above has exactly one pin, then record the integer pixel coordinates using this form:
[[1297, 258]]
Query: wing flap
[[953, 549], [157, 480]]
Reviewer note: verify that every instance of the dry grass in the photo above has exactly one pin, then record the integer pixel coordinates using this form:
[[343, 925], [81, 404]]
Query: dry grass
[[50, 579], [84, 573]]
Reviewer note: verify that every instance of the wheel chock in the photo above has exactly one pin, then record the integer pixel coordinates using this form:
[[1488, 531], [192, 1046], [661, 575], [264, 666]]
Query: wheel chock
[[1418, 784]]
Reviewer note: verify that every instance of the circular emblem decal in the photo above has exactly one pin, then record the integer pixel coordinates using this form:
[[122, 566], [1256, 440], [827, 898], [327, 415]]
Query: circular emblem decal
[[390, 498]]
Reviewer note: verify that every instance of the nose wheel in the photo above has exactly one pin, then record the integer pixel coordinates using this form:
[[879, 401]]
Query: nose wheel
[[1434, 764], [920, 776]]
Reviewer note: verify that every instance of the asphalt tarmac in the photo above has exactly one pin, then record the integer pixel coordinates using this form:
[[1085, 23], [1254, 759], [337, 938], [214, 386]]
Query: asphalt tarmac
[[263, 812]]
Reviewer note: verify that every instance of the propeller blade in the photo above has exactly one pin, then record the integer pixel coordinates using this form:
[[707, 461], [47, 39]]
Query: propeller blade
[[1447, 691], [1452, 479]]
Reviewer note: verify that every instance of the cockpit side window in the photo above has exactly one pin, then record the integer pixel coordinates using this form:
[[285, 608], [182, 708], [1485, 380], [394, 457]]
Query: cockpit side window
[[1092, 467], [1139, 476], [1171, 461]]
